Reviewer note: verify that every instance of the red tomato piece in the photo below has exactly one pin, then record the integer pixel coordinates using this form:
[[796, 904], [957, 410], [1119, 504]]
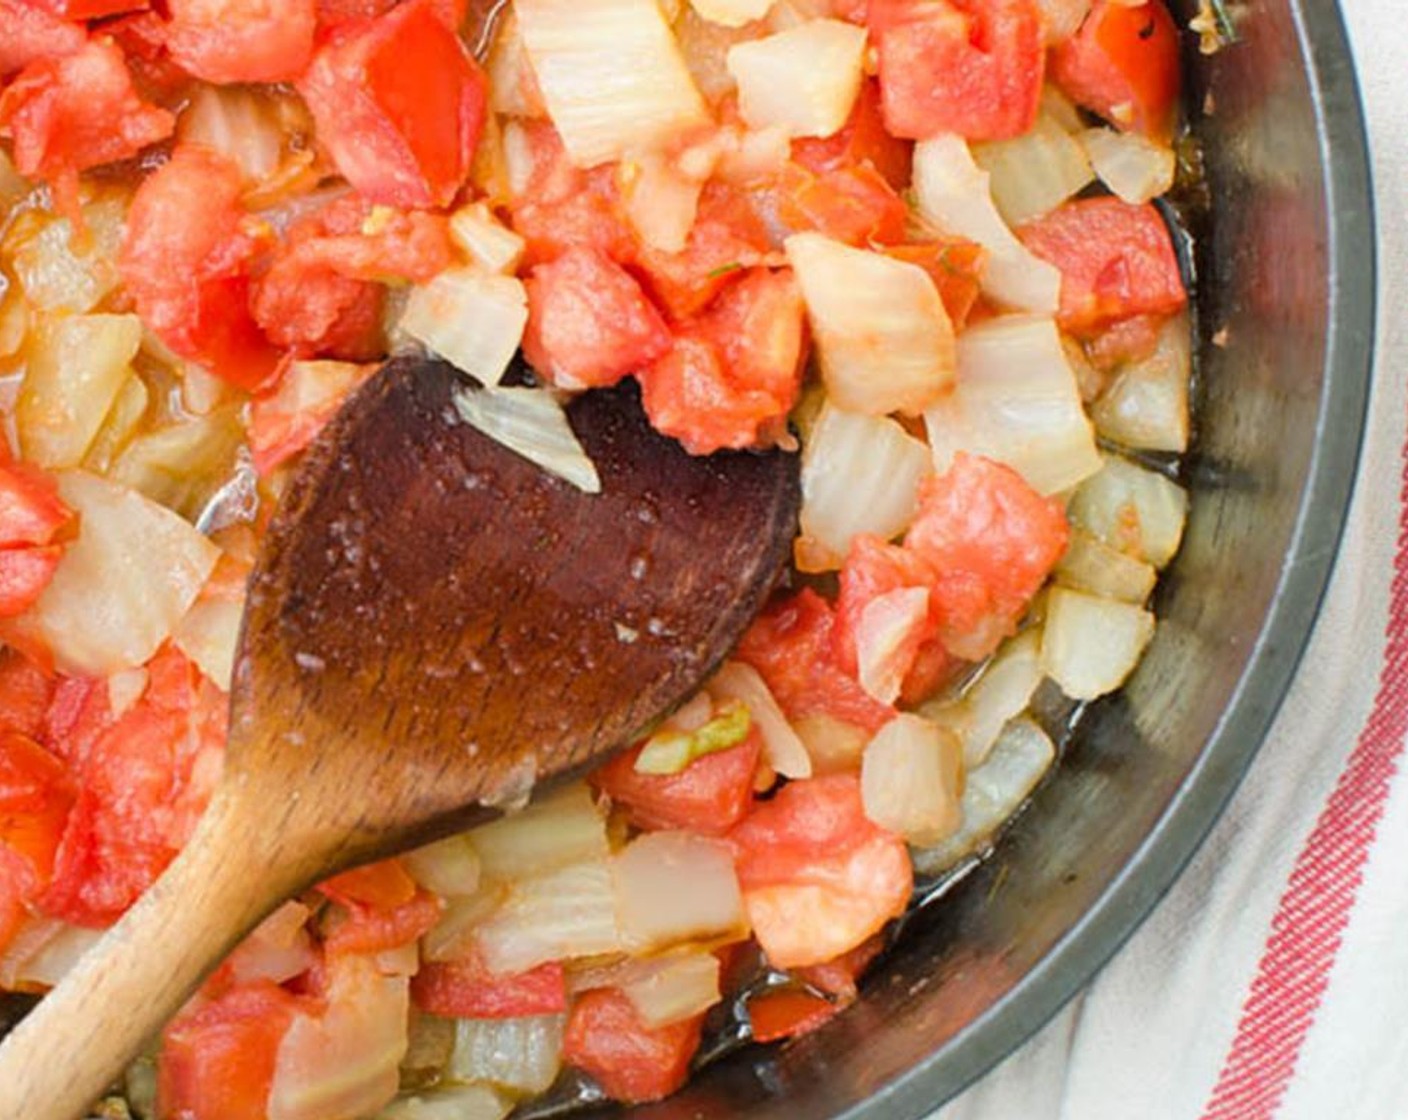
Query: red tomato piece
[[184, 261], [1123, 64], [25, 695], [991, 540], [142, 37], [787, 1013], [332, 13], [818, 876], [36, 796], [29, 32], [466, 989], [217, 1058], [78, 10], [851, 204], [24, 574], [790, 645], [862, 140], [375, 929], [632, 1062], [589, 323], [31, 511], [242, 40], [285, 422], [1129, 340], [710, 795], [973, 67], [956, 267], [840, 976], [1116, 261], [385, 883], [399, 104], [562, 206]]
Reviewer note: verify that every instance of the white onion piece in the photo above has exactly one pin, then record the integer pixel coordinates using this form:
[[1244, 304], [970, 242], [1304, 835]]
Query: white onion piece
[[660, 201], [1016, 401], [1091, 565], [486, 241], [783, 749], [834, 745], [344, 1062], [513, 90], [1059, 108], [126, 688], [43, 952], [450, 1102], [570, 912], [277, 949], [911, 777], [951, 192], [449, 867], [751, 156], [731, 13], [1090, 645], [519, 160], [561, 828], [519, 1055], [884, 339], [124, 584], [1062, 18], [533, 423], [1130, 164], [61, 273], [1145, 407], [182, 465], [77, 365], [804, 80], [611, 74], [705, 46], [654, 912], [859, 475], [209, 634], [886, 626], [471, 318], [452, 937], [1001, 692], [1032, 174], [1132, 509], [238, 123], [992, 792], [674, 987]]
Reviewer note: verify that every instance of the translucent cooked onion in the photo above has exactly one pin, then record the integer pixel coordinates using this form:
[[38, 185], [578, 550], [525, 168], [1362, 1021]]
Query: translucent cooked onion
[[889, 624], [1062, 18], [1145, 407], [1134, 167], [1132, 509], [449, 867], [1001, 692], [62, 273], [859, 475], [1091, 565], [951, 192], [450, 1102], [182, 465], [519, 1055], [13, 185], [42, 953], [513, 89], [209, 634], [471, 318], [278, 949], [533, 423], [611, 74], [1016, 401], [570, 912], [883, 337], [1032, 174], [911, 777], [782, 747], [561, 828], [452, 937], [660, 201], [654, 912], [674, 987], [731, 13], [1090, 645], [239, 124], [804, 80], [487, 242]]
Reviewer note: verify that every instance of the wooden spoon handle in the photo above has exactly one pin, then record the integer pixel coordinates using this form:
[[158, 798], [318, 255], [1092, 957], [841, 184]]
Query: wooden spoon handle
[[80, 1037]]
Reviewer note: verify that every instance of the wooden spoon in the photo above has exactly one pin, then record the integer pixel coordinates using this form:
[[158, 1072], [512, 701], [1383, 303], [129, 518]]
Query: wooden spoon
[[435, 625]]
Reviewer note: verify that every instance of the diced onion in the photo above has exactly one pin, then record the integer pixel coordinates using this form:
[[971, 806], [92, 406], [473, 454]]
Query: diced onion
[[670, 750], [1016, 401], [1090, 645], [513, 89], [860, 474], [121, 423], [471, 318], [209, 635], [486, 241], [1062, 18], [910, 779], [77, 365], [782, 747], [182, 465], [1145, 407], [42, 953], [705, 46], [1001, 692], [833, 744], [1134, 510], [533, 423], [888, 624], [449, 867], [1091, 565], [660, 201], [654, 911], [1032, 174], [126, 688], [123, 584], [570, 912], [238, 123], [278, 949], [450, 1102], [951, 192], [562, 828], [992, 792], [62, 273], [452, 937], [1134, 167], [519, 1055], [731, 13], [674, 987], [883, 336], [804, 80], [611, 74]]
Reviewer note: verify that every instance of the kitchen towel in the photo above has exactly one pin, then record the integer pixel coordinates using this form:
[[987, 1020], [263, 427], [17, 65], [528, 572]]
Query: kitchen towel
[[1271, 983]]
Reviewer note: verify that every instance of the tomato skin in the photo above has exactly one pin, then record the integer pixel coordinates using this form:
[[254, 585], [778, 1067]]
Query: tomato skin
[[31, 511], [854, 205], [26, 693], [633, 1063], [29, 32], [589, 323], [36, 797], [787, 1013], [862, 140], [242, 40], [1116, 261], [973, 67], [466, 989], [403, 135], [1123, 64], [218, 1057], [710, 795], [24, 574]]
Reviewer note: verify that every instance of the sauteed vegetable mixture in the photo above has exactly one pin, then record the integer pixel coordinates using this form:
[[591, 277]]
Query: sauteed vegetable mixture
[[917, 236]]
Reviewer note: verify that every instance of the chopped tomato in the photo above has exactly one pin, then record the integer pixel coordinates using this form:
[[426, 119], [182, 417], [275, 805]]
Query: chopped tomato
[[36, 796], [367, 928], [29, 32], [466, 989], [787, 1013], [385, 883], [851, 204], [1123, 64], [399, 104], [818, 876], [710, 795], [991, 541], [862, 140], [589, 323], [184, 261], [142, 37], [78, 714], [1116, 261], [283, 423], [839, 977], [561, 206], [956, 267], [790, 644], [632, 1062], [31, 511], [217, 1058], [24, 574], [25, 695], [973, 67], [331, 13], [1129, 340], [242, 40], [93, 9]]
